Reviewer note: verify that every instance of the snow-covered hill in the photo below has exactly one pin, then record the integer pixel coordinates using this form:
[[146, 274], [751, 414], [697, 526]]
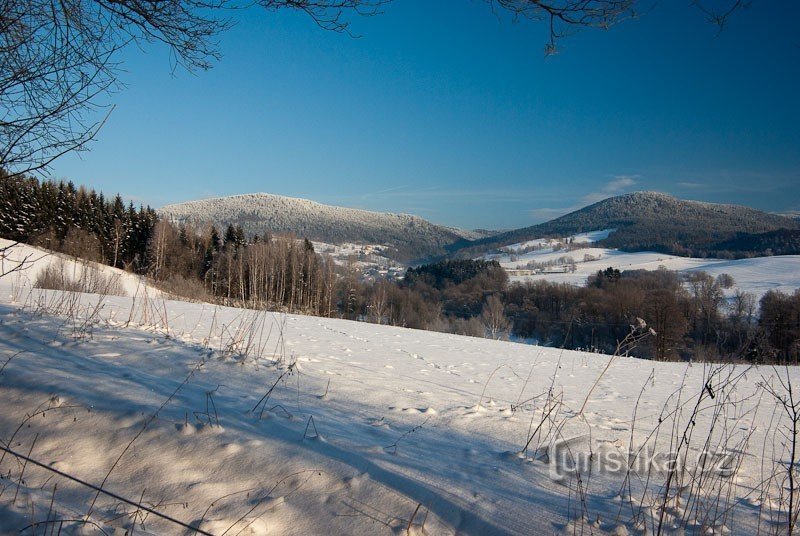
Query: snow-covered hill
[[653, 221], [36, 261], [412, 237], [551, 260], [244, 422]]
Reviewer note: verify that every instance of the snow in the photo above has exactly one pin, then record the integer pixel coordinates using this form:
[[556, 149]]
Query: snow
[[757, 275], [551, 244], [370, 261], [246, 422], [760, 274], [592, 236], [261, 212], [37, 260], [537, 243]]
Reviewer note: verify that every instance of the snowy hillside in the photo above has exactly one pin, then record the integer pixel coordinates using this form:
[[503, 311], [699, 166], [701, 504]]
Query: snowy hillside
[[240, 422], [551, 260], [653, 221], [411, 236], [371, 261], [36, 262]]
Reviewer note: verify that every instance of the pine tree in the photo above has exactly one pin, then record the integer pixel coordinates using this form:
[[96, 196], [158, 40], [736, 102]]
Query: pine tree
[[230, 236]]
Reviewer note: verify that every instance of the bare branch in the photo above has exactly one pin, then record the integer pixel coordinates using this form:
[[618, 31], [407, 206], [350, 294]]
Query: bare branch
[[58, 61], [564, 16]]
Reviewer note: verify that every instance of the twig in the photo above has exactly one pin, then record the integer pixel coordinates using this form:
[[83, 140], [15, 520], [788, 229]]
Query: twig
[[393, 446], [144, 427], [22, 473], [100, 490], [311, 423]]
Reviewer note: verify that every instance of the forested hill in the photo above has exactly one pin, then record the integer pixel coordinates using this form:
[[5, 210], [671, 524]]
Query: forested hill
[[658, 222], [410, 236]]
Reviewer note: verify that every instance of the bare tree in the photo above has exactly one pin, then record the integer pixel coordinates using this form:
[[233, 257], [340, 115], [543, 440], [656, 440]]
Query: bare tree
[[494, 318], [379, 301], [718, 12], [564, 16], [58, 59]]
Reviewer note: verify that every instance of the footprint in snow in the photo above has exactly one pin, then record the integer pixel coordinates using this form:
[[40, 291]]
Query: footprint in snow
[[426, 411], [61, 466], [231, 448], [477, 409], [377, 422], [256, 527], [189, 429]]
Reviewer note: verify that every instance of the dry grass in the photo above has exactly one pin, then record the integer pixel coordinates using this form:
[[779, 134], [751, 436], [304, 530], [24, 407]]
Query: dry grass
[[82, 277]]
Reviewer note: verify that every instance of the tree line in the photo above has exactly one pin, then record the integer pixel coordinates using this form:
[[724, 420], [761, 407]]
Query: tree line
[[689, 313], [279, 272]]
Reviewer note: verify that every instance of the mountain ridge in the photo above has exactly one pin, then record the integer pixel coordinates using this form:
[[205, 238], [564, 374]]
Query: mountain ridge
[[644, 220], [654, 221], [410, 236]]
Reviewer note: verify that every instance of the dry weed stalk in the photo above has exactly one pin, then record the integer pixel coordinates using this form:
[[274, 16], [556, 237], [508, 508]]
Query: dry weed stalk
[[639, 331], [392, 449], [789, 403]]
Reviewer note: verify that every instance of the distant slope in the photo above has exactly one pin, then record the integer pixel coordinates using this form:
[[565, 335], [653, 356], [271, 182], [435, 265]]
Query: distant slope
[[793, 214], [410, 237], [656, 222], [778, 242]]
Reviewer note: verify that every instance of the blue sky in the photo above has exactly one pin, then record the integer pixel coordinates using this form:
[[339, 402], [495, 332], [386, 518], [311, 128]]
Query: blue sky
[[445, 110]]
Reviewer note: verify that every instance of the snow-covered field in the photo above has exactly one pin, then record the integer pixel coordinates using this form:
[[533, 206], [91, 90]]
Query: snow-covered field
[[370, 260], [240, 422], [36, 260], [757, 275]]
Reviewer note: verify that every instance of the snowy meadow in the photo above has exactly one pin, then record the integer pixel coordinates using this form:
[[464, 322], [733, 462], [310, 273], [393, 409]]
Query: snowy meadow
[[141, 415]]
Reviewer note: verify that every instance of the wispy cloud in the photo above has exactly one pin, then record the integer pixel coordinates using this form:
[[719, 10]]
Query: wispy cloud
[[692, 185], [386, 191], [619, 184]]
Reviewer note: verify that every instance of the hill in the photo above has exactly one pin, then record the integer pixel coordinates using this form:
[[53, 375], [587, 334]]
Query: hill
[[656, 222], [37, 267], [410, 237], [251, 422], [778, 242]]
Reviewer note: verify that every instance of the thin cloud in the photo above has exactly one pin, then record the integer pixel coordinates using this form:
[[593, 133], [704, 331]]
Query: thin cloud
[[386, 191], [693, 185], [621, 182], [618, 185]]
